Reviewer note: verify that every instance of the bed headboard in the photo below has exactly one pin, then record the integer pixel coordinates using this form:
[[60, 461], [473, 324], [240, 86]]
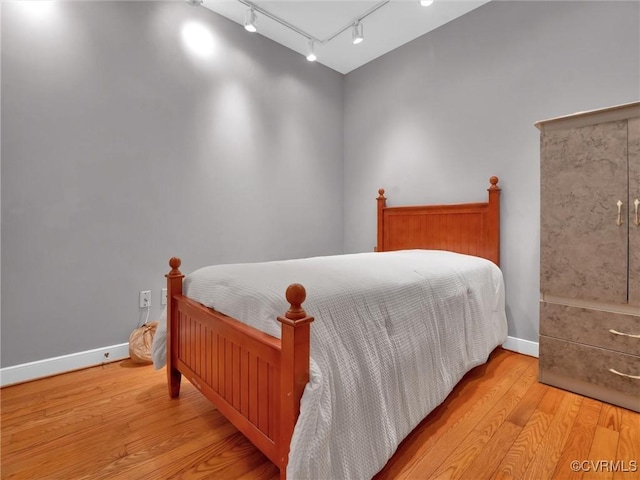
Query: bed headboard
[[470, 228]]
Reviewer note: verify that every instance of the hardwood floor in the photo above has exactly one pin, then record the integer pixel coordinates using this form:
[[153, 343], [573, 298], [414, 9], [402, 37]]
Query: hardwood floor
[[117, 422]]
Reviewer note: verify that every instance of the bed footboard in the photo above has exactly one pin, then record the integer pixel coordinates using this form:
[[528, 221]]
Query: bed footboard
[[254, 379]]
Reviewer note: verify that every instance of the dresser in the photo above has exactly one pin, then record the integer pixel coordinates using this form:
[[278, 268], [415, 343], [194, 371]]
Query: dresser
[[590, 254]]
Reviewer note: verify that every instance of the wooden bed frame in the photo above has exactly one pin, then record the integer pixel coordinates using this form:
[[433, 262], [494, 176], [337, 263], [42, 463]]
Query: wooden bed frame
[[257, 380]]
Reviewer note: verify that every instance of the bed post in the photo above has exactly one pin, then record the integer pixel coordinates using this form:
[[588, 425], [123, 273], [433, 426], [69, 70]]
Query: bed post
[[174, 287], [382, 203], [493, 219], [294, 366]]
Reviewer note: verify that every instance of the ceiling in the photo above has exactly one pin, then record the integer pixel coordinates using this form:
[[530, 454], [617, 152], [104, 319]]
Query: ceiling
[[392, 24]]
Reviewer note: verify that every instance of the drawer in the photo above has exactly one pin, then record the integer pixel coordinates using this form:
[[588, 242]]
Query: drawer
[[590, 327], [590, 364]]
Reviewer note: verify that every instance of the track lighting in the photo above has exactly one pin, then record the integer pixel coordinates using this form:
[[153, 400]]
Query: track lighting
[[357, 30], [195, 3], [357, 33], [311, 56], [426, 3], [250, 21]]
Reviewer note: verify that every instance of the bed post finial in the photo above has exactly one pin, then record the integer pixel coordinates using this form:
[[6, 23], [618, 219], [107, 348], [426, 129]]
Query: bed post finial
[[174, 263], [295, 295], [494, 183]]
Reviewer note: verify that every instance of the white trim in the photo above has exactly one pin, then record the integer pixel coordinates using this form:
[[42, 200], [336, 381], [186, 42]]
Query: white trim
[[91, 358], [519, 345], [65, 363]]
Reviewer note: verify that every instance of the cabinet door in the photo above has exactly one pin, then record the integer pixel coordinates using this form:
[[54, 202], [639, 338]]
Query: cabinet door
[[583, 176], [634, 196]]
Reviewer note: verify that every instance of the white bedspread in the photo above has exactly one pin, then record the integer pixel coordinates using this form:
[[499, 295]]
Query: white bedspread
[[393, 334]]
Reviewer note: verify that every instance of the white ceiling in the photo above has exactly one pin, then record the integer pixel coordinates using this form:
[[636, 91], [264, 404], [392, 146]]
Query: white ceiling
[[393, 24]]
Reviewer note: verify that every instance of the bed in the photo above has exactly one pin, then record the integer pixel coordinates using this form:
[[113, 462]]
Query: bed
[[394, 332]]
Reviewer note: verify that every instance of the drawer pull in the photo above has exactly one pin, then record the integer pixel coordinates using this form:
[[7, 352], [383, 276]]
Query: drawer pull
[[624, 334], [635, 377]]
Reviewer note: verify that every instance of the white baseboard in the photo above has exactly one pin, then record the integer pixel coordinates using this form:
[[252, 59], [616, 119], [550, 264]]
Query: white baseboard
[[63, 364], [519, 345], [98, 356]]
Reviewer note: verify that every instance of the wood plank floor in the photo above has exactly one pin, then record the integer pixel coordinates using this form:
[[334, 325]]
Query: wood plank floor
[[117, 422]]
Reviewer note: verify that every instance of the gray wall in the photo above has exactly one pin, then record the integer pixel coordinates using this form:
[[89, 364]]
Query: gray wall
[[432, 120], [122, 148]]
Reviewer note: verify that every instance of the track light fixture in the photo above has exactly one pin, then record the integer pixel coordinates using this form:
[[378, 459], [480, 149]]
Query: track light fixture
[[312, 55], [357, 33], [426, 3], [195, 3], [250, 21]]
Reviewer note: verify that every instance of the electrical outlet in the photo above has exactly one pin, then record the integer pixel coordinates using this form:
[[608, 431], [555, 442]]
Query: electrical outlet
[[163, 297], [145, 299]]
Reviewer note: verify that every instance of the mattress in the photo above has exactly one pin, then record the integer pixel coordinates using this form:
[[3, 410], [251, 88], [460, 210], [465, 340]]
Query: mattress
[[393, 334]]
